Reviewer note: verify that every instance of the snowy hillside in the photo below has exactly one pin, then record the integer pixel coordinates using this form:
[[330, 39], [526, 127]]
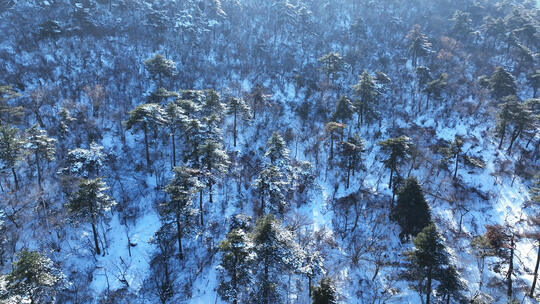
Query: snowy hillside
[[269, 151]]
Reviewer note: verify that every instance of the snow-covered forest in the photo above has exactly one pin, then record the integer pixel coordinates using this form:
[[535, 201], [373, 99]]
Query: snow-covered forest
[[269, 151]]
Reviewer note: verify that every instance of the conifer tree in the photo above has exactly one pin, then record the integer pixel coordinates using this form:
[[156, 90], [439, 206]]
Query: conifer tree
[[325, 293], [533, 232], [90, 204], [238, 107], [179, 210], [9, 114], [277, 254], [176, 119], [11, 146], [332, 130], [427, 257], [146, 117], [214, 163], [160, 67], [419, 46], [34, 278], [456, 149], [332, 65], [411, 211], [344, 110], [3, 237], [435, 88], [237, 259], [85, 163], [271, 185], [502, 83], [366, 91], [534, 81], [41, 146], [450, 285], [397, 150], [351, 155]]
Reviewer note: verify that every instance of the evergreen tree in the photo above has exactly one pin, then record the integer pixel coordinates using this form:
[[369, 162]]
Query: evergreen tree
[[325, 293], [236, 107], [146, 117], [351, 155], [344, 110], [411, 211], [456, 148], [462, 24], [450, 285], [367, 93], [276, 254], [332, 65], [176, 119], [9, 114], [214, 161], [272, 185], [236, 261], [41, 146], [502, 83], [3, 237], [85, 163], [534, 228], [34, 278], [11, 146], [160, 67], [515, 117], [332, 130], [161, 95], [534, 81], [397, 150], [89, 203], [419, 46], [427, 257], [179, 209], [435, 88], [276, 150]]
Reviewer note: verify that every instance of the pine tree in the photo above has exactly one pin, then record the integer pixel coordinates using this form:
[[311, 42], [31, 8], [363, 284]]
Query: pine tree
[[534, 81], [236, 261], [89, 203], [272, 185], [238, 107], [419, 45], [276, 150], [427, 257], [41, 146], [411, 211], [161, 95], [160, 67], [515, 117], [332, 130], [534, 228], [3, 237], [9, 114], [332, 65], [179, 210], [34, 278], [398, 151], [11, 146], [456, 149], [344, 110], [435, 88], [502, 83], [462, 24], [85, 163], [214, 163], [325, 293], [146, 117], [450, 284], [276, 254], [351, 155], [176, 119], [367, 93]]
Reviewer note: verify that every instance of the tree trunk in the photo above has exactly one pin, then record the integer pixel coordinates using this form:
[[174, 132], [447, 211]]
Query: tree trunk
[[502, 136], [515, 135], [94, 231], [201, 207], [173, 150], [428, 287], [510, 268], [15, 178], [390, 181], [38, 170], [234, 128], [457, 162], [145, 129], [533, 285], [179, 236]]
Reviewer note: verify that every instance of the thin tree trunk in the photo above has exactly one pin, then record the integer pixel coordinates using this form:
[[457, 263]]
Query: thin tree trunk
[[457, 162], [179, 236], [38, 170], [145, 129], [502, 136], [510, 268], [234, 128], [173, 149], [94, 231], [201, 207], [533, 285], [428, 287], [15, 178]]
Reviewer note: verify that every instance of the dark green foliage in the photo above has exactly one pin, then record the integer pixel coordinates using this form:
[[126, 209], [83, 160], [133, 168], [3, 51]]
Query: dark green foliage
[[351, 155], [41, 146], [332, 65], [428, 257], [325, 293], [419, 46], [160, 67], [34, 278], [397, 150], [502, 83], [178, 211], [367, 93], [344, 110], [9, 114], [237, 258], [411, 211], [89, 203], [11, 148], [277, 254]]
